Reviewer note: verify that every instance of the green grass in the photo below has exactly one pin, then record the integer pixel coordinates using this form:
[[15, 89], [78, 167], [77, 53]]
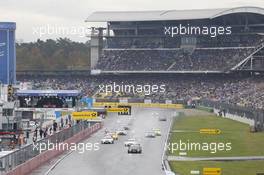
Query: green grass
[[228, 168], [243, 142]]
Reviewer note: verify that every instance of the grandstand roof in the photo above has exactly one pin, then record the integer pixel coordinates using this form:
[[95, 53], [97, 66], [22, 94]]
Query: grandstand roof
[[104, 16]]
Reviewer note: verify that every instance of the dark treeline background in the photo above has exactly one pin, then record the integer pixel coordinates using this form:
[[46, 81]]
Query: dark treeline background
[[60, 54]]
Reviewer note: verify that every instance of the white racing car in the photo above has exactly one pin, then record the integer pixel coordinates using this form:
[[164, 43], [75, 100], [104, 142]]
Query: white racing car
[[107, 140], [150, 134], [130, 141], [121, 132], [135, 148]]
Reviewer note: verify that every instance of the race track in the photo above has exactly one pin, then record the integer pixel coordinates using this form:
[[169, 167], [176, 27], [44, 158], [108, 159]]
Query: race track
[[113, 159]]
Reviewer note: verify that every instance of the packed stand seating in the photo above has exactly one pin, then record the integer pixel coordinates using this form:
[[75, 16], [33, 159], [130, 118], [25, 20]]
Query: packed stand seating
[[203, 53], [173, 60]]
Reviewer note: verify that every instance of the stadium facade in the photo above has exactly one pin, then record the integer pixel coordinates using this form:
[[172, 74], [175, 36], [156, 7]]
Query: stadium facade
[[179, 41], [7, 53]]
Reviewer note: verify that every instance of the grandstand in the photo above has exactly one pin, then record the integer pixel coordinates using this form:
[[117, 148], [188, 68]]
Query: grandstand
[[175, 41], [133, 49]]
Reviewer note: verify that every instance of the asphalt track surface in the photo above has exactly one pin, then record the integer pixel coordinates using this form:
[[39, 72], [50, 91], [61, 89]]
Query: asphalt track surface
[[113, 159]]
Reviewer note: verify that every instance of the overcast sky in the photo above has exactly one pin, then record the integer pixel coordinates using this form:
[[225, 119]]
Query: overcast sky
[[33, 16]]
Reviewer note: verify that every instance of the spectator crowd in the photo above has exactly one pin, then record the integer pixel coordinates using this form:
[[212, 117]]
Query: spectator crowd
[[238, 90], [193, 53], [172, 60]]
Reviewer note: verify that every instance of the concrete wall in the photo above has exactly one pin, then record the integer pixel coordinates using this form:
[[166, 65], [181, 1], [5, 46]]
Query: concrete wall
[[241, 119]]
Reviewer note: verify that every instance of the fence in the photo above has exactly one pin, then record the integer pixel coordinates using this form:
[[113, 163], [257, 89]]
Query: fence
[[255, 114], [12, 160]]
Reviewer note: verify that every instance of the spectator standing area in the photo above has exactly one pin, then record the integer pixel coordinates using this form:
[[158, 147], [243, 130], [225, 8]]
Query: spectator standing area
[[38, 114]]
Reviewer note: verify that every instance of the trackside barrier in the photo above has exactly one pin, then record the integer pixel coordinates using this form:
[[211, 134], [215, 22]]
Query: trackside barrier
[[70, 135], [145, 105], [250, 122], [164, 161], [102, 104], [251, 116]]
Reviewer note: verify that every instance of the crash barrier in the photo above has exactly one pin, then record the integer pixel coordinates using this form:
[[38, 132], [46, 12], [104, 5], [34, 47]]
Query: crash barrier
[[140, 102], [165, 163], [247, 115], [241, 119], [26, 159], [145, 105]]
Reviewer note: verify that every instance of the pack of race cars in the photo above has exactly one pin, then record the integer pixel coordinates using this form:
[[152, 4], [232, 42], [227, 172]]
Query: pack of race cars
[[131, 143]]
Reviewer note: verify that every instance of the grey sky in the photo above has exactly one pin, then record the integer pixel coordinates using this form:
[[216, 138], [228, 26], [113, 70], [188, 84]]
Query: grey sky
[[32, 14]]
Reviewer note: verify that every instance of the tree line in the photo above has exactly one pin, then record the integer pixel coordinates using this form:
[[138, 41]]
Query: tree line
[[50, 55]]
